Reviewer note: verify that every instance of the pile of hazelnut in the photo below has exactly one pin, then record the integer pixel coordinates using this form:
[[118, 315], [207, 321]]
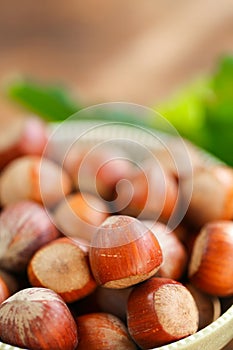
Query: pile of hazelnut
[[92, 262]]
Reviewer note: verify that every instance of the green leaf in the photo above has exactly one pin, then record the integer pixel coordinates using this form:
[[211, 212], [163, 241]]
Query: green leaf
[[186, 112], [50, 102], [203, 111]]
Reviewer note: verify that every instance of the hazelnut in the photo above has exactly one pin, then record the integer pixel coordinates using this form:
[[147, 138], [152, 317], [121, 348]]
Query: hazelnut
[[24, 136], [124, 252], [33, 178], [63, 267], [102, 331], [160, 311], [38, 319], [25, 227], [174, 254], [79, 215], [211, 264], [212, 195]]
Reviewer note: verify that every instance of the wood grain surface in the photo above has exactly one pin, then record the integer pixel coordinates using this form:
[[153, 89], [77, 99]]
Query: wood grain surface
[[128, 50]]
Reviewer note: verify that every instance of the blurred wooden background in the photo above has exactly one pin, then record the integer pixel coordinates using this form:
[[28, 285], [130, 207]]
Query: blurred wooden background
[[128, 50]]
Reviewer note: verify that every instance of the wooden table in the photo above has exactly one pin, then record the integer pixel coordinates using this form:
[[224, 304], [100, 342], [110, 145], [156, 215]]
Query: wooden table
[[127, 50]]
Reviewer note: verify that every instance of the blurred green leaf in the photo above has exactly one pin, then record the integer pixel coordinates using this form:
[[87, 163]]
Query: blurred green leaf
[[203, 111], [185, 110], [53, 103], [50, 102]]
